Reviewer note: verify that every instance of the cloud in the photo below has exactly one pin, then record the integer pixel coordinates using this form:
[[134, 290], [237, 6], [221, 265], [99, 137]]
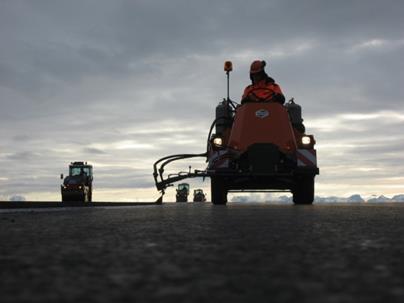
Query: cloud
[[378, 45], [22, 156], [93, 150], [122, 83]]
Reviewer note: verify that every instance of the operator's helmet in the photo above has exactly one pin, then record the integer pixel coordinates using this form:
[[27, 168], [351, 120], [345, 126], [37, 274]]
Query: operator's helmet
[[257, 66]]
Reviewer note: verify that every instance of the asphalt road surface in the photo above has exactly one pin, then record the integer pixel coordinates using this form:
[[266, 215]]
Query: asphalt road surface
[[203, 253]]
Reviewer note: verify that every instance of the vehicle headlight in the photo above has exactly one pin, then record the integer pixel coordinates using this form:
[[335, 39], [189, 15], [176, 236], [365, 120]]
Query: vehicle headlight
[[218, 141], [306, 140]]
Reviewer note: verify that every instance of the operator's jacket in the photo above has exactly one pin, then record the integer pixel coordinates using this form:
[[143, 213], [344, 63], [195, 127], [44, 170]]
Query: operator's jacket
[[265, 90]]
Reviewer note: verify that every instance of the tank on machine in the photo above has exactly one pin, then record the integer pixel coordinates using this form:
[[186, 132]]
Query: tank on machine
[[199, 195], [254, 146], [182, 192], [78, 185]]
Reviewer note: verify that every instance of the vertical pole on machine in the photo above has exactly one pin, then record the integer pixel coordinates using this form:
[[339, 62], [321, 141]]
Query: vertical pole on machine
[[228, 85], [228, 67]]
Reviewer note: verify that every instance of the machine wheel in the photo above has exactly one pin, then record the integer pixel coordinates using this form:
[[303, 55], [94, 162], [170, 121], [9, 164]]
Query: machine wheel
[[218, 191], [181, 199], [90, 194], [303, 193]]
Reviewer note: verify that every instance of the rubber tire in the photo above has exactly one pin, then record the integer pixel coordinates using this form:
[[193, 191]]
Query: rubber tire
[[181, 199], [218, 191], [303, 193], [90, 194]]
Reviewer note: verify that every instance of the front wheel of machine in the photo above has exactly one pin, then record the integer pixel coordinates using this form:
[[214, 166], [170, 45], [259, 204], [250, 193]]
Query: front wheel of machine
[[303, 193], [218, 191]]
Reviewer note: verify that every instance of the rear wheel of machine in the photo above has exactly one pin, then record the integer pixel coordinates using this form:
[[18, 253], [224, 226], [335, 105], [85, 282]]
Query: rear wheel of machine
[[303, 193], [218, 191], [90, 194]]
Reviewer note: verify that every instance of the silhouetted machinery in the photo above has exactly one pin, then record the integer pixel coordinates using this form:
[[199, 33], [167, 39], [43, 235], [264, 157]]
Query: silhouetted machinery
[[78, 185], [199, 195], [256, 146], [182, 192]]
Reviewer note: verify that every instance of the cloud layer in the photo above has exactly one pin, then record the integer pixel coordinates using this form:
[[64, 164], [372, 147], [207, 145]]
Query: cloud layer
[[122, 83]]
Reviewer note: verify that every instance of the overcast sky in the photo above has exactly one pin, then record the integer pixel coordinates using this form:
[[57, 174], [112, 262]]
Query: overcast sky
[[123, 83]]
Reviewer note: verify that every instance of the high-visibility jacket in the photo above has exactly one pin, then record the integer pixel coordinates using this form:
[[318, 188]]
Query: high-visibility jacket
[[265, 90]]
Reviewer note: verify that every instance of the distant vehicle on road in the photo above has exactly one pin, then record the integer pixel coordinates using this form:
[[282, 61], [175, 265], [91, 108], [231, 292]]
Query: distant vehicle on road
[[78, 185], [182, 192], [199, 195]]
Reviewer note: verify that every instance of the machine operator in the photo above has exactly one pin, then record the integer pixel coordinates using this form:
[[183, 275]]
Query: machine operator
[[263, 87]]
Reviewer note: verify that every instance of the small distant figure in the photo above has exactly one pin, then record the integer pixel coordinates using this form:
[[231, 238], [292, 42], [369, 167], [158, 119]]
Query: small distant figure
[[263, 87]]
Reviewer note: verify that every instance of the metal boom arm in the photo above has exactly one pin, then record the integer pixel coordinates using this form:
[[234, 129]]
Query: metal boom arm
[[162, 184]]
